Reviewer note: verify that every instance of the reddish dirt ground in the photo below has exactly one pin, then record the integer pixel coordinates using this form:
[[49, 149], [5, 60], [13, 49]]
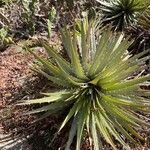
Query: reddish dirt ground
[[14, 68]]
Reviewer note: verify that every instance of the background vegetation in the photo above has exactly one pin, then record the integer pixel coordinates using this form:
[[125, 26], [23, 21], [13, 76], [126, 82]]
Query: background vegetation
[[96, 50]]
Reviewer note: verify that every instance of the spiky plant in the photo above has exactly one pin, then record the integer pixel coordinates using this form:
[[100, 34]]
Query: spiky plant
[[121, 13], [98, 85], [144, 19]]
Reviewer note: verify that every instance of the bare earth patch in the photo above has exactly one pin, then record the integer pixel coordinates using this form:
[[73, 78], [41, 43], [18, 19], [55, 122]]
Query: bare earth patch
[[14, 68]]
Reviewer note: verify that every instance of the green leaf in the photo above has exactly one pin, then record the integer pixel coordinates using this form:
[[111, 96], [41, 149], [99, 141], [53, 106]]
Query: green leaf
[[94, 133], [133, 132], [101, 50], [72, 133], [54, 70], [71, 79], [58, 93], [59, 81], [108, 123], [119, 114], [52, 97], [115, 77], [83, 114], [127, 83], [123, 131], [84, 44], [76, 107], [54, 107], [103, 130], [73, 53], [41, 100], [122, 102], [52, 53]]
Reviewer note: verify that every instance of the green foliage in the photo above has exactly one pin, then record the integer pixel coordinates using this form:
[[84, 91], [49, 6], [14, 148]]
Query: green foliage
[[5, 39], [29, 13], [95, 84], [122, 13], [6, 2], [51, 17], [144, 19], [3, 33]]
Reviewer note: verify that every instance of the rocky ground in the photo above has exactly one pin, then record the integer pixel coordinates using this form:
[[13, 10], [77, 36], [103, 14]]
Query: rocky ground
[[14, 72]]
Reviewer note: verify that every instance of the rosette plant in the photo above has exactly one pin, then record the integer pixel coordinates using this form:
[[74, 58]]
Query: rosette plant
[[121, 13], [144, 19], [98, 83]]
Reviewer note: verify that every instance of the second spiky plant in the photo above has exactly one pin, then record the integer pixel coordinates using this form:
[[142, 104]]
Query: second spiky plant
[[121, 13]]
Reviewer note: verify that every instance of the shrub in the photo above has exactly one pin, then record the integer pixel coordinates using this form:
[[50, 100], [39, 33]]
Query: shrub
[[29, 14], [95, 83], [144, 19], [122, 13]]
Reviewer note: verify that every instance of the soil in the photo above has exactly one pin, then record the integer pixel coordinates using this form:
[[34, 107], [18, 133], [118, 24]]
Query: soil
[[17, 82]]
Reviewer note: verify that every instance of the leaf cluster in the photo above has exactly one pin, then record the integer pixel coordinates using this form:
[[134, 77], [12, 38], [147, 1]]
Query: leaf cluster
[[95, 84], [122, 13]]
